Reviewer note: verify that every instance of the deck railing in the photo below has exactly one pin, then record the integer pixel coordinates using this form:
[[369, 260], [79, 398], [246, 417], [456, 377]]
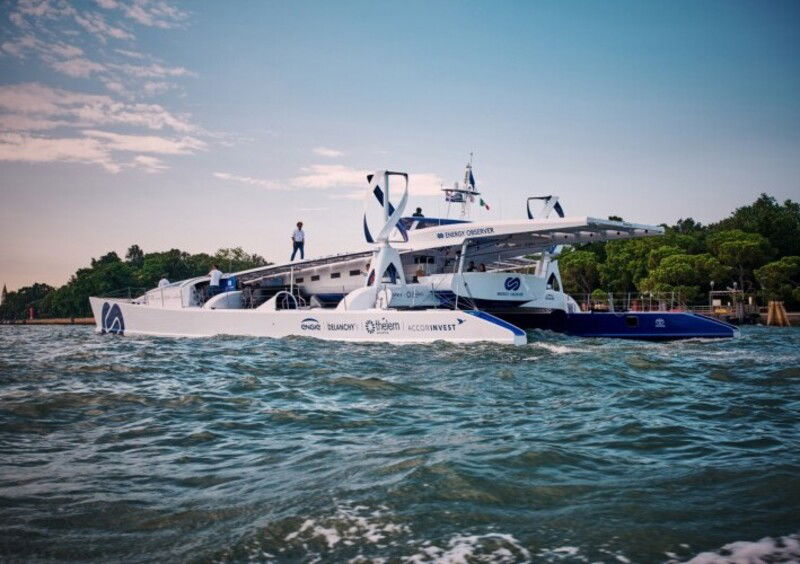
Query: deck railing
[[129, 293], [663, 301], [630, 301]]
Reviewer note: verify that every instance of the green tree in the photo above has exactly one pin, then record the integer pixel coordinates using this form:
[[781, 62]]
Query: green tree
[[106, 277], [16, 304], [741, 251], [655, 256], [236, 259], [109, 275], [780, 224], [108, 258], [689, 226], [684, 274], [135, 256], [579, 271], [780, 280], [174, 264]]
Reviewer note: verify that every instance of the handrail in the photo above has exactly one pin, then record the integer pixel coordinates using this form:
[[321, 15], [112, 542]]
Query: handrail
[[129, 291], [284, 297]]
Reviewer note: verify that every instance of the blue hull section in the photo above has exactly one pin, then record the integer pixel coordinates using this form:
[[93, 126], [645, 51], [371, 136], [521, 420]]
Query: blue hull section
[[655, 325]]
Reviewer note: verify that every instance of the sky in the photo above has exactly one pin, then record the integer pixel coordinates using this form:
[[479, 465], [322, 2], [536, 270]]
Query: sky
[[203, 125]]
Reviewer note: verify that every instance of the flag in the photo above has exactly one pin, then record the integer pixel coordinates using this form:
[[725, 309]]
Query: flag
[[484, 204], [471, 179]]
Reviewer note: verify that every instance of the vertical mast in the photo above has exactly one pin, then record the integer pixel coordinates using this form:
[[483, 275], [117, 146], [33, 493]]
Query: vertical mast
[[469, 189], [462, 194]]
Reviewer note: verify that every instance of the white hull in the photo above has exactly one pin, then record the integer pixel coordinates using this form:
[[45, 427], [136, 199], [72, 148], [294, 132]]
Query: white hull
[[372, 325]]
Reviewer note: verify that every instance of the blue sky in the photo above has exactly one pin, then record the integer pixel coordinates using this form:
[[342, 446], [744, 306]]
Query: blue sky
[[201, 125]]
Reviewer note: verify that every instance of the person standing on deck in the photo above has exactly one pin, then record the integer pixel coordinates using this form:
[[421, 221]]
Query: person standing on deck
[[298, 241], [216, 278], [163, 282]]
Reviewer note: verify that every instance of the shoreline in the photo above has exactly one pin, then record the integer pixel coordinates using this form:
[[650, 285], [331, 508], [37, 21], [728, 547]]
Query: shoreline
[[53, 321]]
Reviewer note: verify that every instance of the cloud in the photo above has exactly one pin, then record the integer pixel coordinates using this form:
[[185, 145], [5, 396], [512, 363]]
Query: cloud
[[326, 152], [149, 164], [425, 184], [25, 148], [154, 13], [96, 24], [339, 176], [40, 123], [78, 67], [131, 54], [47, 30], [325, 176], [261, 182], [335, 176], [66, 50], [147, 143], [154, 70], [153, 87], [21, 123], [95, 147], [42, 8], [36, 101]]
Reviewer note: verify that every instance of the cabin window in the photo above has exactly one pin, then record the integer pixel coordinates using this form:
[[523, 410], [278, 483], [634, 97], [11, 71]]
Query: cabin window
[[336, 274], [315, 278], [424, 259], [298, 280], [355, 272], [631, 321]]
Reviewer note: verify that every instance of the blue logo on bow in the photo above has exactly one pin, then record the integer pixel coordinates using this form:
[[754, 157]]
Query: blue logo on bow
[[512, 284], [111, 319]]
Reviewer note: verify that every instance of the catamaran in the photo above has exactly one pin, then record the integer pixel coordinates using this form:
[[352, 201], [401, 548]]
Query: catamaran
[[418, 282]]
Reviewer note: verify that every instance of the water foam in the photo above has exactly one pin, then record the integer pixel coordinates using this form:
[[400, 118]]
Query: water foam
[[557, 349], [349, 526], [374, 529], [463, 549], [764, 551]]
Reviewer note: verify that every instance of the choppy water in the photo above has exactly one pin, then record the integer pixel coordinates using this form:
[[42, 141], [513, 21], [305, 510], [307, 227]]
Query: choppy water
[[565, 450]]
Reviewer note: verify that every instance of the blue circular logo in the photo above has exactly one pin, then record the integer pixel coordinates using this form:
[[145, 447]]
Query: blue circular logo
[[512, 284]]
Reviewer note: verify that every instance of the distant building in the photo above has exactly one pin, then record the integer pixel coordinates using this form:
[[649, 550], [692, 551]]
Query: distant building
[[3, 295]]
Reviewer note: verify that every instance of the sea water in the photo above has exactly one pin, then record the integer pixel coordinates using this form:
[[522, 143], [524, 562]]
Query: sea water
[[233, 449]]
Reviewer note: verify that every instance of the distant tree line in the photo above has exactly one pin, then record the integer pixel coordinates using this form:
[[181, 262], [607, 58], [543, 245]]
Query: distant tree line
[[756, 249], [110, 274]]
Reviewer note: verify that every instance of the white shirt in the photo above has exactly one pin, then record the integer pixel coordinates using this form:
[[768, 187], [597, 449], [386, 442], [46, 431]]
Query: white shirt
[[298, 236], [216, 276], [163, 282]]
